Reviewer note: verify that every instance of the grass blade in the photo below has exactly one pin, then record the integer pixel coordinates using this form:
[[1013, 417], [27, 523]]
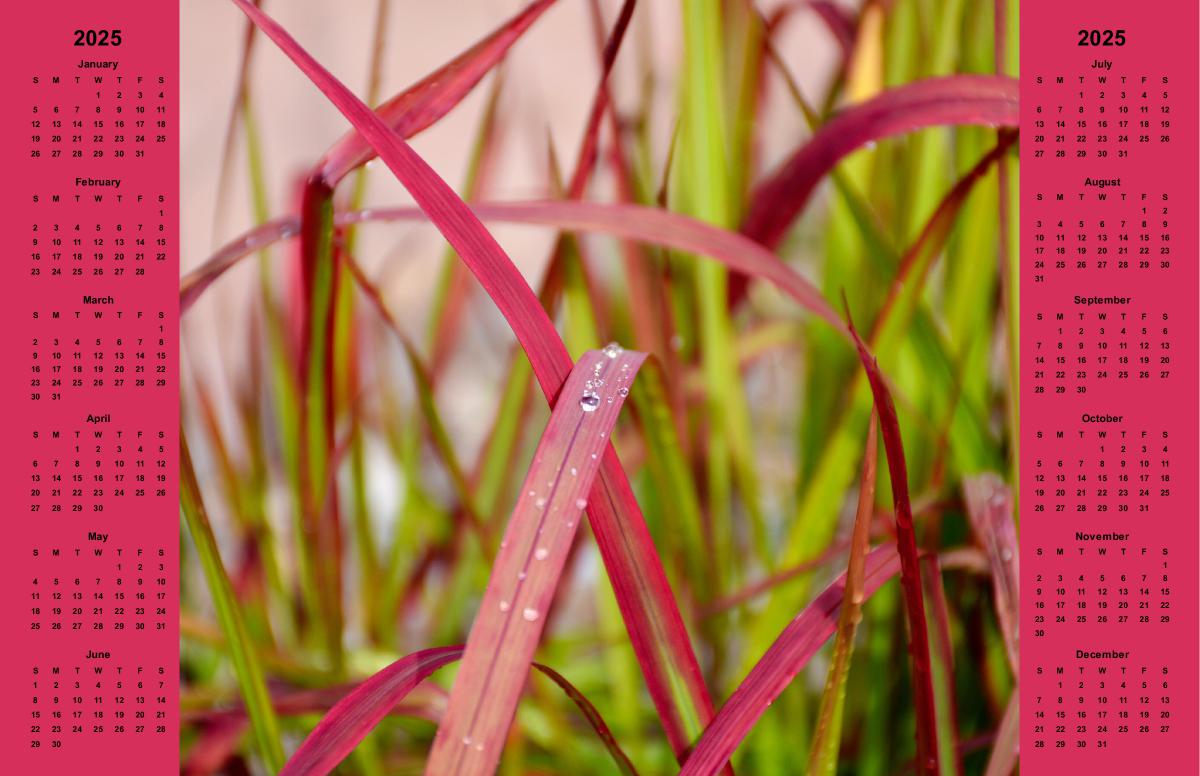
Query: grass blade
[[349, 721], [633, 222], [431, 98], [623, 763], [960, 99], [527, 568], [823, 753], [910, 577], [241, 650], [990, 508], [357, 710], [651, 613], [941, 655], [796, 645]]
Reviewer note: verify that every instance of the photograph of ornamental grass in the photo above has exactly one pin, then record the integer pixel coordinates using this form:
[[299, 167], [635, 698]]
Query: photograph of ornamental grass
[[724, 484]]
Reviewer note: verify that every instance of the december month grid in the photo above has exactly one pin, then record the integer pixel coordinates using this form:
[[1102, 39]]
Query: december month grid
[[1108, 386], [89, 294]]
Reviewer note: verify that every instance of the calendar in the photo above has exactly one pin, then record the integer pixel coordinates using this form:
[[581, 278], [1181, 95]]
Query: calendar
[[1108, 400], [91, 238], [868, 334]]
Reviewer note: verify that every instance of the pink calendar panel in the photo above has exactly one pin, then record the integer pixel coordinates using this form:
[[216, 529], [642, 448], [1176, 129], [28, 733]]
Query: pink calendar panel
[[1108, 386], [88, 296]]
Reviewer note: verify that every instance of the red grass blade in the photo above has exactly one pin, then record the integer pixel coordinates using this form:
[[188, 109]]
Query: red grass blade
[[355, 710], [527, 568], [624, 764], [990, 508], [358, 713], [633, 222], [795, 646], [651, 613], [910, 576], [961, 99], [942, 664], [426, 101]]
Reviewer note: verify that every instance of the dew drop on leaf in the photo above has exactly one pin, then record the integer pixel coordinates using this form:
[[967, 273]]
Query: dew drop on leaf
[[612, 350], [540, 553], [581, 502], [530, 614], [589, 401]]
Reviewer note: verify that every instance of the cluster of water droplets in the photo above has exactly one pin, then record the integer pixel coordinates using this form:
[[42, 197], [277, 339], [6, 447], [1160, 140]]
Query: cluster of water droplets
[[589, 400]]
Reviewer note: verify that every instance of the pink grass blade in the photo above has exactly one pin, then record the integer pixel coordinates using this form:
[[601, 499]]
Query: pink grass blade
[[796, 645], [431, 98], [651, 613], [527, 568], [952, 100], [990, 509], [823, 752], [349, 721], [652, 226], [910, 576]]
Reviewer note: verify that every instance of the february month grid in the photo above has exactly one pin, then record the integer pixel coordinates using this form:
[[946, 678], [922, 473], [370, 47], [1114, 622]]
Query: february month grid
[[1108, 386], [89, 295]]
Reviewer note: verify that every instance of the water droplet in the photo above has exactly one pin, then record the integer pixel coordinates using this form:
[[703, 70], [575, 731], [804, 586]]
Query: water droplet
[[521, 576], [533, 492], [505, 606], [540, 553], [530, 614], [478, 747], [1006, 554], [581, 502], [541, 502], [466, 740], [574, 472], [612, 350], [589, 401], [593, 456], [623, 391], [570, 524], [610, 399]]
